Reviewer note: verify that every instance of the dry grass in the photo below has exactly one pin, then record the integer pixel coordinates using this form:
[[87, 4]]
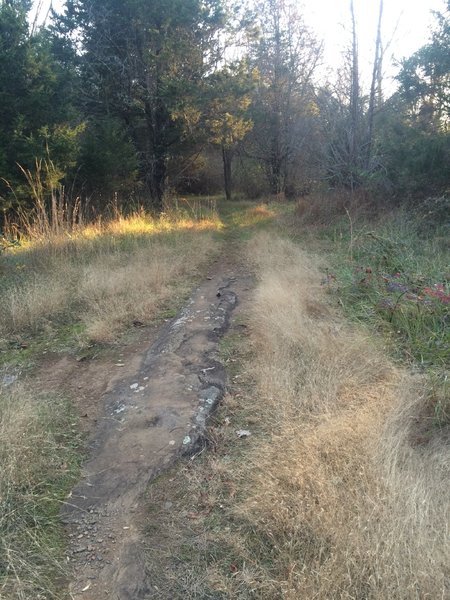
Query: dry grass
[[355, 506], [103, 276], [255, 215], [38, 464], [336, 495], [91, 282], [324, 208]]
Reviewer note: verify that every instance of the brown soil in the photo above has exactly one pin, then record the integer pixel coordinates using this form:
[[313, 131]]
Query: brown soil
[[142, 407]]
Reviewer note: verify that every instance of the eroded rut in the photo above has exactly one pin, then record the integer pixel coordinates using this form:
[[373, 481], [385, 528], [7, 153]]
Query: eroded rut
[[148, 421]]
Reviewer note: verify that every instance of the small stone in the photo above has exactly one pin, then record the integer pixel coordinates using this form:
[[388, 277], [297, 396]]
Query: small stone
[[9, 379], [134, 386], [187, 440], [243, 433]]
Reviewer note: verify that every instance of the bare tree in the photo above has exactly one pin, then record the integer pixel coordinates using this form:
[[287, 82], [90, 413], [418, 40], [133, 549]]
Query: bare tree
[[286, 55], [350, 153], [355, 100], [375, 87]]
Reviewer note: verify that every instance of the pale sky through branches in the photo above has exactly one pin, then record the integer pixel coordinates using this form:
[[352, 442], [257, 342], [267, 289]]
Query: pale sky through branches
[[406, 27]]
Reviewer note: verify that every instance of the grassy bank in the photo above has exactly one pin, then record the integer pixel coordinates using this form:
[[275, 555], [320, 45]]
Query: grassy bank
[[340, 490], [390, 273], [338, 486], [103, 277]]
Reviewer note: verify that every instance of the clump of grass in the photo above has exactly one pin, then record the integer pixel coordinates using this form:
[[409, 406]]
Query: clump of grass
[[337, 493], [323, 208], [254, 215], [350, 507], [123, 287], [389, 276], [103, 275], [39, 460]]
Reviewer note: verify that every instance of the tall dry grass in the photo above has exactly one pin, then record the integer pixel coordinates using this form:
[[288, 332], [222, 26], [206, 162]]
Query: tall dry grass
[[342, 496], [38, 465], [104, 276]]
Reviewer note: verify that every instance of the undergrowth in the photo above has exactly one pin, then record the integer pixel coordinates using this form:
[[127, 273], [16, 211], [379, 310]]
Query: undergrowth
[[391, 273], [102, 276], [399, 281], [70, 285]]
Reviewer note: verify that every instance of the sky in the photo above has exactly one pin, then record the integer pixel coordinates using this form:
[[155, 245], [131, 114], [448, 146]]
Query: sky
[[406, 26]]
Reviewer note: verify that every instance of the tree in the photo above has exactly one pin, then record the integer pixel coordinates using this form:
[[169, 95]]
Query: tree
[[375, 96], [37, 115], [143, 64], [13, 73], [415, 137], [228, 121], [425, 78], [107, 163], [286, 55], [349, 116]]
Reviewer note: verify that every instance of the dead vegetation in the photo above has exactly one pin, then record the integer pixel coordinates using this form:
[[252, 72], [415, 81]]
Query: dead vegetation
[[102, 277], [335, 495], [373, 504], [39, 462], [324, 207]]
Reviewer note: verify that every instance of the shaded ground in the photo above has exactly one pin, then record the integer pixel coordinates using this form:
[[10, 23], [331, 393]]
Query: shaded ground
[[141, 417]]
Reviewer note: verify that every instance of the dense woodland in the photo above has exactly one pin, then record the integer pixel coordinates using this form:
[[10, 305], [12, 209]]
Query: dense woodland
[[133, 100]]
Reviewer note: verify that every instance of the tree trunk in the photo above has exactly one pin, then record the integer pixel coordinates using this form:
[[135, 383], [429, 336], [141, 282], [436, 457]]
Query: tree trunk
[[157, 182], [276, 180], [156, 159], [227, 156], [354, 104], [376, 83]]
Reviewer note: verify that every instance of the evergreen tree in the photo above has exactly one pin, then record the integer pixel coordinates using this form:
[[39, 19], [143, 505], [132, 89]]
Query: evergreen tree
[[415, 137], [143, 65], [228, 121], [37, 115], [425, 78]]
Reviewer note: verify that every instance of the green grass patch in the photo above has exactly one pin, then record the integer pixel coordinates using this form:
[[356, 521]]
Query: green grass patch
[[399, 281], [392, 276]]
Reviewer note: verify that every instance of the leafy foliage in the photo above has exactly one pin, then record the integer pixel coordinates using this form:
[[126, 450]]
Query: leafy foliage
[[142, 67], [135, 98], [37, 116]]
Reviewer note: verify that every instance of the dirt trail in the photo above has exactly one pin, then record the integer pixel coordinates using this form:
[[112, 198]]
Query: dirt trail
[[148, 419]]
